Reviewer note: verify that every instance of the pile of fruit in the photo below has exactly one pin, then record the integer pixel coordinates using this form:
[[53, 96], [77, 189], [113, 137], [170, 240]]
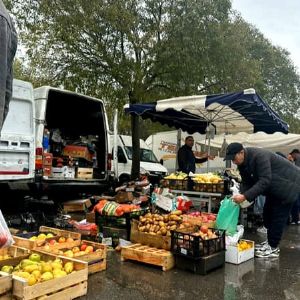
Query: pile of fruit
[[76, 251], [54, 242], [207, 178], [177, 176], [156, 224], [205, 233], [35, 270], [244, 245], [41, 237]]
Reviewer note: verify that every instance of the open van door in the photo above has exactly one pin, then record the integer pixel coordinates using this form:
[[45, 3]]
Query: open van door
[[17, 140], [115, 146]]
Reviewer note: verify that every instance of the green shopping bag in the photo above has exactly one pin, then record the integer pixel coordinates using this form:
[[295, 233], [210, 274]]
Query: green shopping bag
[[228, 216]]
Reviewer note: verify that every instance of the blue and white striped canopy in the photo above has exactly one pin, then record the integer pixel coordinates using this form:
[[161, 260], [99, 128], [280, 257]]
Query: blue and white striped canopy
[[230, 113]]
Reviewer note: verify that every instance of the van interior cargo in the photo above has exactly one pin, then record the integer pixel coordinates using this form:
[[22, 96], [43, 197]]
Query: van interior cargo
[[75, 136]]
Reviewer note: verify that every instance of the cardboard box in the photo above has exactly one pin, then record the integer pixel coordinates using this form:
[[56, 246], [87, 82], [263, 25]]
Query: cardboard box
[[85, 173], [77, 151], [90, 217], [58, 172], [123, 197], [47, 159], [77, 205], [47, 171], [234, 256]]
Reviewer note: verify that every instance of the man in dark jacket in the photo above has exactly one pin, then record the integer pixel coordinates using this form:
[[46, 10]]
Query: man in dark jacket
[[186, 158], [8, 47], [266, 173]]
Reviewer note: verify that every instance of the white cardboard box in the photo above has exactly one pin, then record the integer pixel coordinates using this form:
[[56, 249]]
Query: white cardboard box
[[236, 257]]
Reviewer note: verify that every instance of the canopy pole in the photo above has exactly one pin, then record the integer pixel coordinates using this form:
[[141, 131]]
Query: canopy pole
[[178, 146]]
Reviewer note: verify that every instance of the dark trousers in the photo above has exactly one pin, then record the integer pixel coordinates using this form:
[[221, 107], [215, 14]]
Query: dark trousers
[[275, 216], [295, 211]]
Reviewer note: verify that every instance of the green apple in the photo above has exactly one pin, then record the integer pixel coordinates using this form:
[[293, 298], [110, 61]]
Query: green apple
[[7, 269], [35, 257]]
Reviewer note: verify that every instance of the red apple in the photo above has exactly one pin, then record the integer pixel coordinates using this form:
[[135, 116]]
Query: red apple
[[83, 247], [52, 242], [204, 228]]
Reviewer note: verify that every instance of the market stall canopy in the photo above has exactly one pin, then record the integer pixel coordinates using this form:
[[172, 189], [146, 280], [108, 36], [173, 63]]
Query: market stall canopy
[[278, 141], [231, 113]]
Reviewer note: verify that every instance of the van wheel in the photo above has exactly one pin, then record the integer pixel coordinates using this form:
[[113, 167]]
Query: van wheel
[[124, 178]]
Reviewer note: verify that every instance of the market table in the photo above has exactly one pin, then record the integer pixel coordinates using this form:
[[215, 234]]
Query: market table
[[198, 196]]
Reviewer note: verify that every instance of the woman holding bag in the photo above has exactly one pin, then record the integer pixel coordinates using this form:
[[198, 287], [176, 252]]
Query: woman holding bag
[[266, 173]]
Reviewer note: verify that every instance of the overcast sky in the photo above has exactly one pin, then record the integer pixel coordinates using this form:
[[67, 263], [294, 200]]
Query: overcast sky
[[278, 20]]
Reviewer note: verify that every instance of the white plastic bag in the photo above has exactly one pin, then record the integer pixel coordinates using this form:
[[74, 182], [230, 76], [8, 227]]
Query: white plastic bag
[[6, 239], [233, 240]]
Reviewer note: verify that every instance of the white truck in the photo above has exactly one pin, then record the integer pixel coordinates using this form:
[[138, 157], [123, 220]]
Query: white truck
[[165, 146], [68, 120], [148, 160]]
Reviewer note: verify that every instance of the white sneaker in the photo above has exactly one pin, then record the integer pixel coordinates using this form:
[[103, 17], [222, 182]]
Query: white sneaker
[[268, 252], [261, 245]]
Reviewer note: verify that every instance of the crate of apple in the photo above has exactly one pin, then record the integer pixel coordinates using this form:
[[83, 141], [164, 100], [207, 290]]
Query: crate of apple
[[58, 242]]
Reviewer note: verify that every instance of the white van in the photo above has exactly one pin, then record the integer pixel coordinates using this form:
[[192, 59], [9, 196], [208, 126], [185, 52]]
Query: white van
[[17, 140], [148, 160], [55, 142]]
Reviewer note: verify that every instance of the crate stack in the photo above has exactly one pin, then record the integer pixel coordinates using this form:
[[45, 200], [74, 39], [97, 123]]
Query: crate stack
[[198, 254]]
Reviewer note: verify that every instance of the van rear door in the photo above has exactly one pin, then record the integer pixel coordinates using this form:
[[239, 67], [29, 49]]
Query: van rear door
[[17, 140]]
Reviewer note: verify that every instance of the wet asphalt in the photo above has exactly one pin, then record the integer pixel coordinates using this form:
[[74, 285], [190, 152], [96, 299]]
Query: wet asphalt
[[267, 279]]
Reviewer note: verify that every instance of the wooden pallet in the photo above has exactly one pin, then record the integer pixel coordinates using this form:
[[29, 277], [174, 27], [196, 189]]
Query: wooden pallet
[[148, 255], [69, 287], [5, 286]]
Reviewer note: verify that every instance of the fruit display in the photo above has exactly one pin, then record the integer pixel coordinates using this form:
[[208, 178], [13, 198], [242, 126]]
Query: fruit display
[[41, 236], [207, 178], [201, 241], [177, 176], [34, 270], [199, 218], [6, 256], [77, 251], [208, 182], [156, 224], [177, 181], [243, 245]]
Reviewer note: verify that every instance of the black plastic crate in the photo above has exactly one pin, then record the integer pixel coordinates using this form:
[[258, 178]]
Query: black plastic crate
[[200, 265], [187, 244]]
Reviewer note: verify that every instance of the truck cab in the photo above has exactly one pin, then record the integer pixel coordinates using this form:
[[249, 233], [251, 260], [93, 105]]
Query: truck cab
[[148, 161]]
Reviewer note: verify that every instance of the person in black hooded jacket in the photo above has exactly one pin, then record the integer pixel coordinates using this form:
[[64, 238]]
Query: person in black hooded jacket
[[266, 173]]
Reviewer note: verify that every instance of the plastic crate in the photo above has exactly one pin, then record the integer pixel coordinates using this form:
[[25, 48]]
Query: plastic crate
[[200, 265], [187, 244], [209, 187], [178, 184]]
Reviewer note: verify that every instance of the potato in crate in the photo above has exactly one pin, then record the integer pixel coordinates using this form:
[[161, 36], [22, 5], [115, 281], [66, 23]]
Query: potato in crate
[[199, 243]]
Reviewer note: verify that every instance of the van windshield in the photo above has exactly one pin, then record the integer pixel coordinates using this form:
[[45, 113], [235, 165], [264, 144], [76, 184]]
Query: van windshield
[[146, 155]]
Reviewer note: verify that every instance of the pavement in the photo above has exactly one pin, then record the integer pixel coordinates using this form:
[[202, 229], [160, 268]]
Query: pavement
[[267, 279]]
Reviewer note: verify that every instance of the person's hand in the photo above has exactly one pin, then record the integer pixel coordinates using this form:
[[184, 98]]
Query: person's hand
[[238, 198]]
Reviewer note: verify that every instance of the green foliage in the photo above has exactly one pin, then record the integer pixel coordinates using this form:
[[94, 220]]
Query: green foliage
[[144, 50]]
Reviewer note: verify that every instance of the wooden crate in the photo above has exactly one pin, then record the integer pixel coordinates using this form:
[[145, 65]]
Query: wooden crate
[[26, 243], [148, 255], [157, 241], [85, 173], [77, 205], [96, 260], [5, 286], [65, 288], [15, 252]]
